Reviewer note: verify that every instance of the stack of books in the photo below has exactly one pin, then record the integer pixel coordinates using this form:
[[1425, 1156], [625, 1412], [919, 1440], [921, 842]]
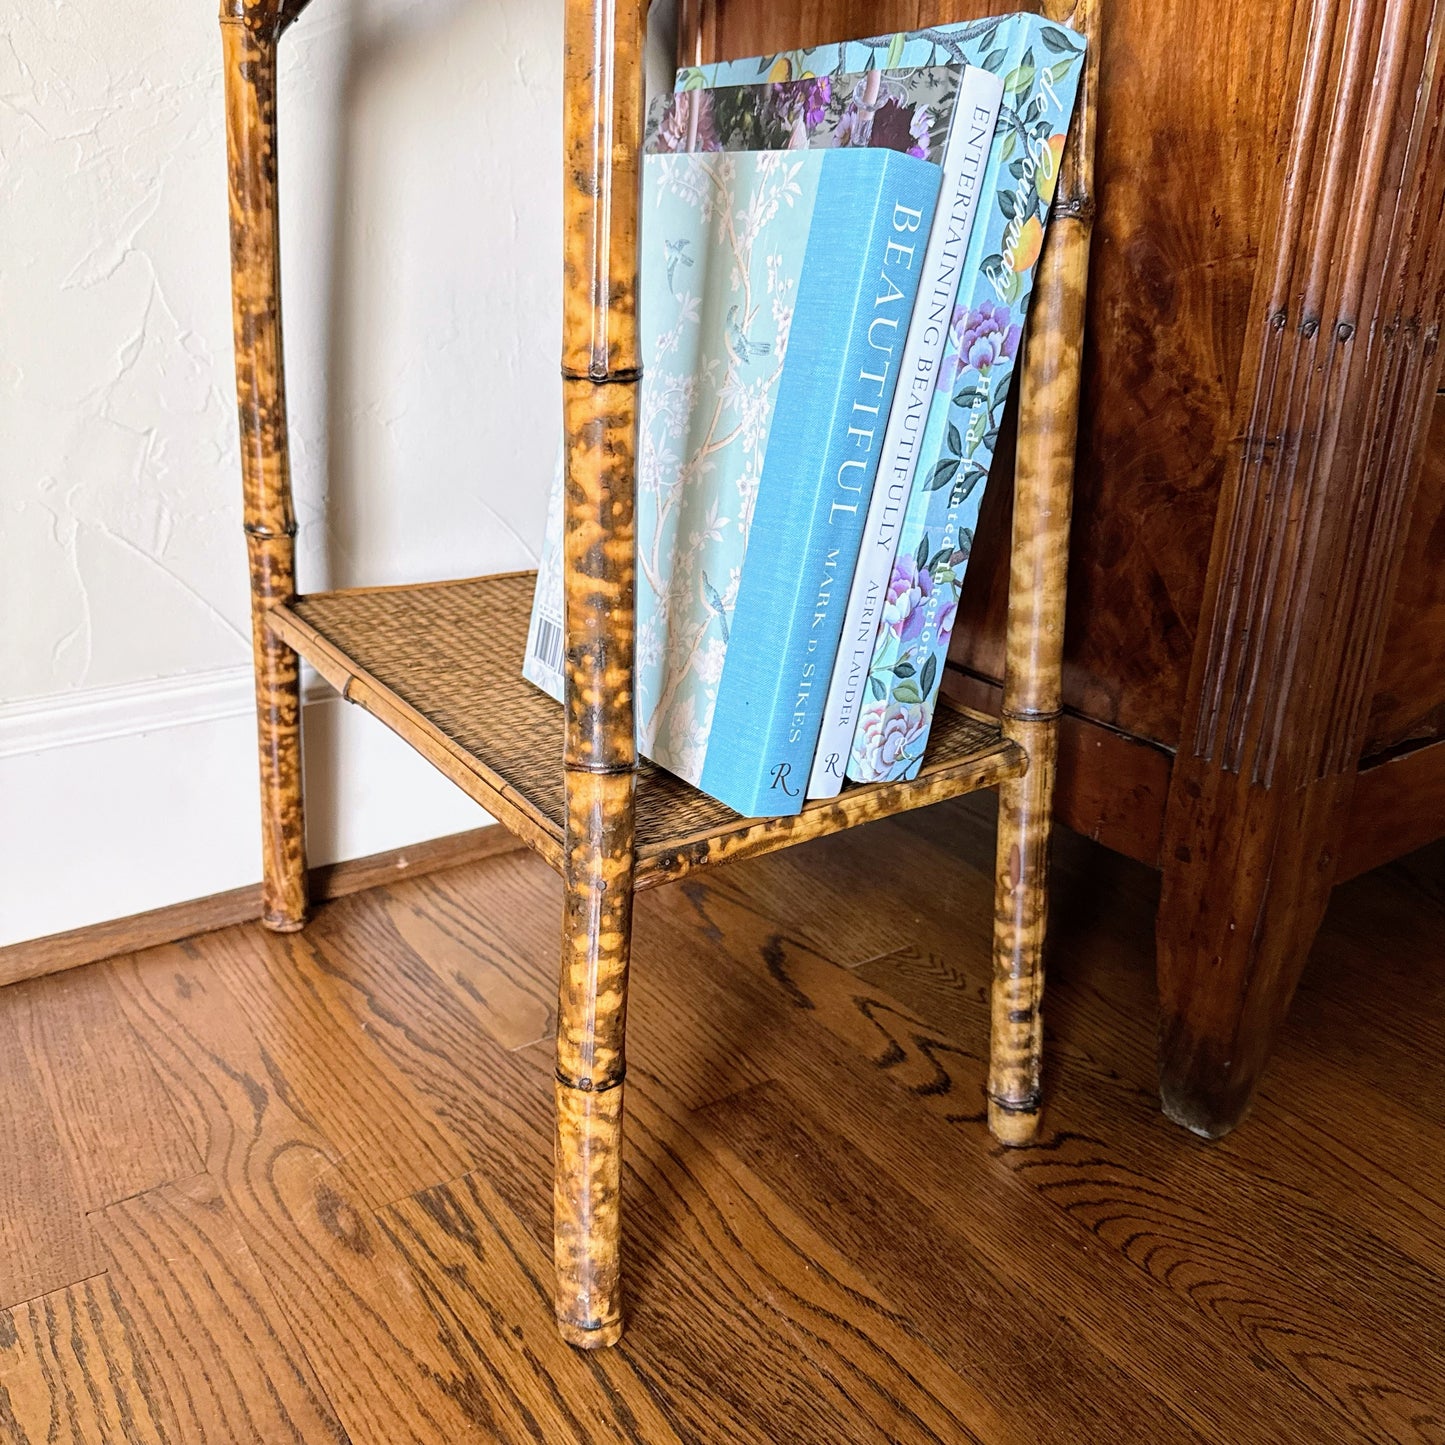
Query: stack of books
[[837, 252]]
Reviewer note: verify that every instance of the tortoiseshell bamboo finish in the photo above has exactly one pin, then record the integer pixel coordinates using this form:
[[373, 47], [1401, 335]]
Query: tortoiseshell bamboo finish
[[1043, 496], [248, 35], [595, 845], [602, 143]]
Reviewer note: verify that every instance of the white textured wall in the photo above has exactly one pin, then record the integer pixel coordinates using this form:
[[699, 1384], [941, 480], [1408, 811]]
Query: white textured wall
[[421, 254]]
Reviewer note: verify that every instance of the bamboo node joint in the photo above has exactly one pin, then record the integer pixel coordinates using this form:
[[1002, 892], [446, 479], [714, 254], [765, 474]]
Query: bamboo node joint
[[1032, 714], [601, 376], [586, 1085], [1031, 1103]]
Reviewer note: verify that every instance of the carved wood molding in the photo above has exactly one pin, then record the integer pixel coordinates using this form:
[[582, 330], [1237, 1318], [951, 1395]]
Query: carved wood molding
[[1334, 396], [1348, 317]]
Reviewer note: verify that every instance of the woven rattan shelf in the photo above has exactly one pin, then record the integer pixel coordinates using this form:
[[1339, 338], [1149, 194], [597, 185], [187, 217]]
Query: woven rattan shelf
[[441, 665]]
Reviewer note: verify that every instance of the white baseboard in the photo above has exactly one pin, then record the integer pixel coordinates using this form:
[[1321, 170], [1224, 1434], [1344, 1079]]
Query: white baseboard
[[119, 800]]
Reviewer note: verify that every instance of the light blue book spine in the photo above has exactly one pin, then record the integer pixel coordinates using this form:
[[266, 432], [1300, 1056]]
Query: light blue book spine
[[1041, 64], [855, 301]]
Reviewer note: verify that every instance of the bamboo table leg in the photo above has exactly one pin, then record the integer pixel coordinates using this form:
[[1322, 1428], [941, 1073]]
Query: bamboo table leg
[[1044, 485], [249, 35], [603, 133]]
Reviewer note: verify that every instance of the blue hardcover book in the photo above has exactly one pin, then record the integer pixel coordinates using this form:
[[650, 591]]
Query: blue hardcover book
[[777, 288]]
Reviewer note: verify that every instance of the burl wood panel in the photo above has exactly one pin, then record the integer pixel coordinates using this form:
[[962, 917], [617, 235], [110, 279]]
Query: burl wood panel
[[1409, 705]]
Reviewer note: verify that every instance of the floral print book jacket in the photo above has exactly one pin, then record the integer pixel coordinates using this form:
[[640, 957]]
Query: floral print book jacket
[[904, 110], [971, 386], [1040, 63]]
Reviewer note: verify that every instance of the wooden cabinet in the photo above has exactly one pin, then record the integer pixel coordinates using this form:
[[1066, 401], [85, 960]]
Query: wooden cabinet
[[1255, 651]]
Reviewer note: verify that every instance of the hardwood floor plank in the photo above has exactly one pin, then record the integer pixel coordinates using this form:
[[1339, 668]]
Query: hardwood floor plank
[[119, 1132], [959, 1307], [46, 1242], [225, 1357], [488, 1282], [467, 1071], [822, 1243], [492, 958], [75, 1370], [911, 1100], [1214, 1234], [344, 1292], [336, 1075]]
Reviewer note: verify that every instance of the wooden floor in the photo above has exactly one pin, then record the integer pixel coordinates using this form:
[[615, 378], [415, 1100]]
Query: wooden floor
[[297, 1189]]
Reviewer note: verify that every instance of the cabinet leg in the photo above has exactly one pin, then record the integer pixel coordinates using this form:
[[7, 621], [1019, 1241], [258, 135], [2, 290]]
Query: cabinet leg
[[591, 1059], [1021, 890], [1247, 877]]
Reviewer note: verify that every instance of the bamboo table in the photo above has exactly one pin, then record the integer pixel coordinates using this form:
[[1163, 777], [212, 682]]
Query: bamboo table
[[440, 663]]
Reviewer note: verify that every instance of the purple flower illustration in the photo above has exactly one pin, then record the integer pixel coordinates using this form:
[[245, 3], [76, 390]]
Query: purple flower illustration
[[908, 591], [689, 124], [797, 106], [888, 738], [978, 339]]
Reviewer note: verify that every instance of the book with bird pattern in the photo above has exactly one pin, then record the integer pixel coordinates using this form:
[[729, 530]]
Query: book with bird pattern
[[776, 292]]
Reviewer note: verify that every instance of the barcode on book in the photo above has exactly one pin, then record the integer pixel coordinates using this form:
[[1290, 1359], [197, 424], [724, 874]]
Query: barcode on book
[[547, 645]]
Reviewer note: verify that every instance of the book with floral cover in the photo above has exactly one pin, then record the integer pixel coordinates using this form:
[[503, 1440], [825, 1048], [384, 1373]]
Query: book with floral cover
[[906, 110], [964, 157], [776, 288], [1041, 65]]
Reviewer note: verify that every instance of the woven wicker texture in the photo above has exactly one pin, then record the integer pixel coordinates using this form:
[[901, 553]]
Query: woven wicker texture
[[450, 653]]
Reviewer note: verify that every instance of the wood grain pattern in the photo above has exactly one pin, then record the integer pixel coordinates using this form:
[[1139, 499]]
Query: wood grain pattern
[[341, 1289], [119, 1134], [56, 952], [45, 1240], [195, 1299], [1409, 701], [820, 1244], [1333, 398], [75, 1369]]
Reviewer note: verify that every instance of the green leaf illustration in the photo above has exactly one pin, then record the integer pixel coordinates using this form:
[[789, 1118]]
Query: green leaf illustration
[[895, 52], [930, 674], [955, 442], [968, 396], [994, 59], [941, 477], [876, 688], [904, 668], [1056, 41], [907, 692]]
